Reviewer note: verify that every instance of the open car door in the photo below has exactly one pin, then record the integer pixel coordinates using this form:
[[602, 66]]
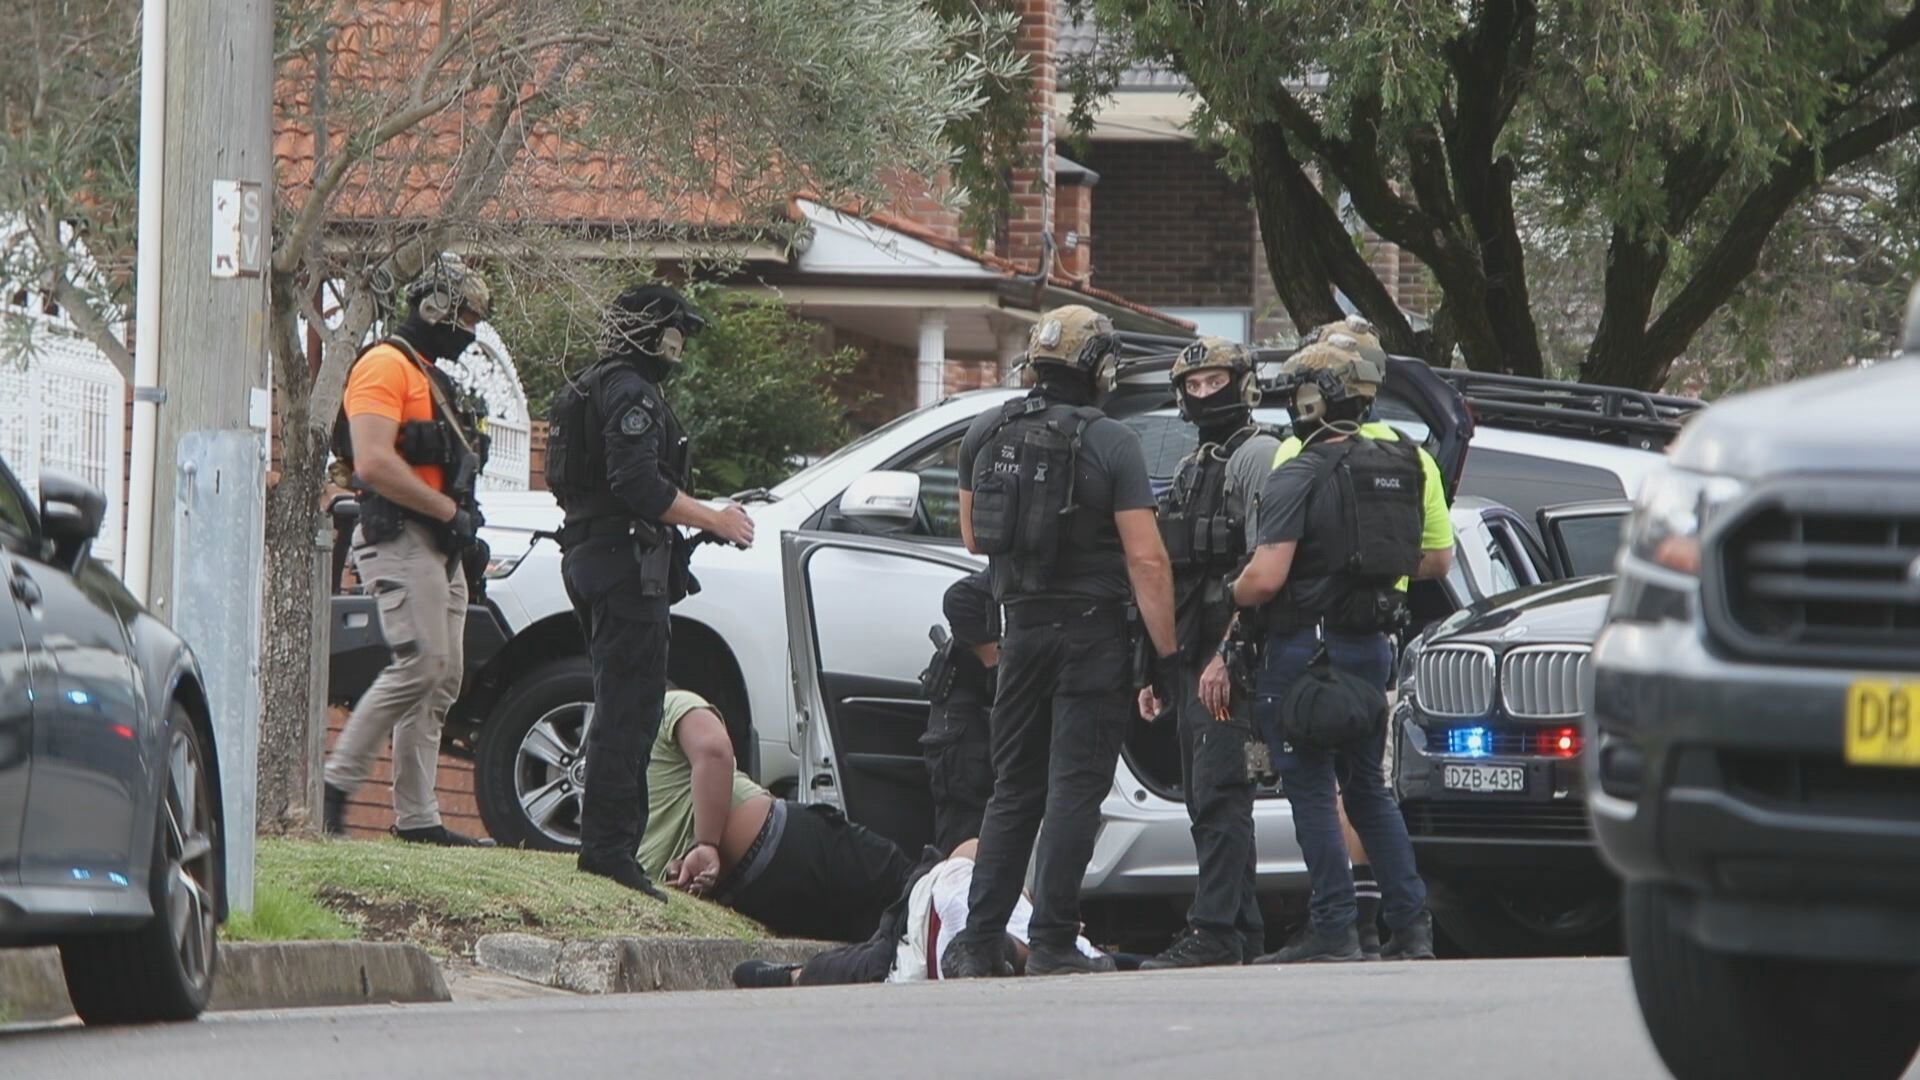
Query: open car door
[[1583, 538], [858, 612]]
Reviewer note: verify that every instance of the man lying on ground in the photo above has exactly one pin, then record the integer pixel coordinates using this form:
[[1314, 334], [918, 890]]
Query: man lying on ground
[[911, 937], [803, 871]]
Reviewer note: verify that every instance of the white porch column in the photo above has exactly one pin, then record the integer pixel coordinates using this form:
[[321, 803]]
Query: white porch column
[[933, 357]]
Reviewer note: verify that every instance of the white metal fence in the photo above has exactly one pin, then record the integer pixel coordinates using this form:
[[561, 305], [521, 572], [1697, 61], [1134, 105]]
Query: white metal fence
[[63, 407]]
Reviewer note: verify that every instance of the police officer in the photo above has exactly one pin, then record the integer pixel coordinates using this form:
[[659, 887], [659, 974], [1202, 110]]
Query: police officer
[[1207, 519], [620, 464], [1057, 496], [1351, 511], [959, 684], [414, 455]]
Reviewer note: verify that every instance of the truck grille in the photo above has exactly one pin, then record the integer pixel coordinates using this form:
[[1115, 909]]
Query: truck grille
[[1818, 583], [1543, 682], [1455, 680], [1498, 820]]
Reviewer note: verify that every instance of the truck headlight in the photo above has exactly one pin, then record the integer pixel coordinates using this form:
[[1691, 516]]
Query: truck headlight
[[1674, 506]]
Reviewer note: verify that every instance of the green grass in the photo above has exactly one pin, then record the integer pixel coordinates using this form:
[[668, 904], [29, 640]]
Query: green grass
[[445, 898], [282, 914]]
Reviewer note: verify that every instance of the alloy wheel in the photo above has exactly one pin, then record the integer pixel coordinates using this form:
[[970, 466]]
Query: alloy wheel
[[191, 910], [550, 772]]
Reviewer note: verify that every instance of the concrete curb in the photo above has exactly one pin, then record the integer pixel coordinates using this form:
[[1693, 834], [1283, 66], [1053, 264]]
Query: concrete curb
[[630, 965], [273, 975]]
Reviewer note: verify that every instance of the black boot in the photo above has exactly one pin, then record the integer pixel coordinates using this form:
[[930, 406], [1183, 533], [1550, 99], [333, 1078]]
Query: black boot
[[1197, 948], [1315, 946], [962, 959], [624, 871], [1367, 908], [1412, 942], [1055, 960], [440, 836], [333, 812], [763, 974]]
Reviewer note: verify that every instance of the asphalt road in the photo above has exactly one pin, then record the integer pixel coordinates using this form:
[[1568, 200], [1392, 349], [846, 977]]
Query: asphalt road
[[1480, 1019]]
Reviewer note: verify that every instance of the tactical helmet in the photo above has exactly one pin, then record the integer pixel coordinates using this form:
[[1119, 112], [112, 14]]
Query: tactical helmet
[[447, 287], [1215, 353], [649, 320], [1365, 337], [1073, 336], [1327, 373]]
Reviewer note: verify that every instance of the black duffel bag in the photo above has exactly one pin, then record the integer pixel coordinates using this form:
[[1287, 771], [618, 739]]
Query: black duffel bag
[[1326, 708]]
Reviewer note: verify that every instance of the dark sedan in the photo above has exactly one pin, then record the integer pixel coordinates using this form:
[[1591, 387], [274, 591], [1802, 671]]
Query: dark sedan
[[1488, 750], [110, 814]]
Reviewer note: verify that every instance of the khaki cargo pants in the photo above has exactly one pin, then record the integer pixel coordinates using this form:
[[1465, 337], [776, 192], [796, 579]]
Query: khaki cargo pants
[[423, 615]]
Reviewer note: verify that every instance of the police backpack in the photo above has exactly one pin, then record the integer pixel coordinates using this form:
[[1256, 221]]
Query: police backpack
[[1023, 481]]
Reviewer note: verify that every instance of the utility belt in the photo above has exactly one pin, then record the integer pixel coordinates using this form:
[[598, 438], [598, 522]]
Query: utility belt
[[1059, 610], [382, 520], [664, 553], [1363, 609]]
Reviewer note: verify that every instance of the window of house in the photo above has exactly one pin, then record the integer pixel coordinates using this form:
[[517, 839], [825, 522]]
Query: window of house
[[1233, 323]]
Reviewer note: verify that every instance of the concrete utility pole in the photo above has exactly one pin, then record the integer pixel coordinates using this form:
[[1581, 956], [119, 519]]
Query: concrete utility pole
[[209, 466]]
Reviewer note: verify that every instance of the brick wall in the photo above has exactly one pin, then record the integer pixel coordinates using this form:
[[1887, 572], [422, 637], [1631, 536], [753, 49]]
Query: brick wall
[[1174, 231], [885, 379], [963, 375]]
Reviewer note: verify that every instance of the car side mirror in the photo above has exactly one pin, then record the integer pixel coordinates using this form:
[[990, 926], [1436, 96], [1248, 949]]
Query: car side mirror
[[71, 512], [883, 498]]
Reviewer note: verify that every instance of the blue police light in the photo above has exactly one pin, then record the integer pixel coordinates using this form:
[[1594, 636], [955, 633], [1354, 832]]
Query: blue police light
[[1469, 741], [79, 697]]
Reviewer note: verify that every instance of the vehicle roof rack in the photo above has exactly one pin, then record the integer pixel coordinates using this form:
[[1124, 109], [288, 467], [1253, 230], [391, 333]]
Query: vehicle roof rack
[[1614, 414]]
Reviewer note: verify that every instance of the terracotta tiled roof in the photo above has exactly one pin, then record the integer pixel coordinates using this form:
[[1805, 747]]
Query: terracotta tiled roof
[[939, 239]]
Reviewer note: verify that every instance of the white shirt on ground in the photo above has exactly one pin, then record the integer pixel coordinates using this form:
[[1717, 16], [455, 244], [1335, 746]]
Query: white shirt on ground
[[937, 910]]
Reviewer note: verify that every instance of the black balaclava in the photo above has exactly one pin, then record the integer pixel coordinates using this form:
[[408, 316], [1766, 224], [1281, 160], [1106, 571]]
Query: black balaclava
[[1068, 386], [636, 323], [439, 341], [1220, 414]]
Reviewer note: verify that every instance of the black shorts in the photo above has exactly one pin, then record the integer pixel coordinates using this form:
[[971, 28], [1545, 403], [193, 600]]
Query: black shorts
[[828, 879]]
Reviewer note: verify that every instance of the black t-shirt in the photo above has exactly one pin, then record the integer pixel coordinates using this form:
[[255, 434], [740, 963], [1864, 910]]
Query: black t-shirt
[[1293, 507], [1109, 477]]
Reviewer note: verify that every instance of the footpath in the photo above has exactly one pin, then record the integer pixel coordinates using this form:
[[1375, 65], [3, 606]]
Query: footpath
[[379, 922]]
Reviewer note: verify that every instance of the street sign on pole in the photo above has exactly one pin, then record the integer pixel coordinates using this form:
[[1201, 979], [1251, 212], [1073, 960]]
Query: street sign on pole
[[239, 244]]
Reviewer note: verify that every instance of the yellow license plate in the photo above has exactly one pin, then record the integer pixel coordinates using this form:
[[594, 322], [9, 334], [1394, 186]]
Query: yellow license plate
[[1883, 724]]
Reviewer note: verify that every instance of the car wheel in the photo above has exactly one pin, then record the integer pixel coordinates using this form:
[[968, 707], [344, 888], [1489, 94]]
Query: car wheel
[[1712, 1014], [530, 765], [164, 970], [1509, 923]]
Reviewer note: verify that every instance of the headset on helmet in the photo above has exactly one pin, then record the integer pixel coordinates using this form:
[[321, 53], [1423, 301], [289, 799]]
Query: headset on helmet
[[1328, 373], [1215, 353], [1076, 337], [652, 320], [447, 287]]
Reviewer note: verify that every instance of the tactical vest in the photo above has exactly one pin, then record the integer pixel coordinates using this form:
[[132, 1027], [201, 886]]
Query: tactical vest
[[1206, 539], [456, 440], [1024, 512], [576, 467], [1375, 541]]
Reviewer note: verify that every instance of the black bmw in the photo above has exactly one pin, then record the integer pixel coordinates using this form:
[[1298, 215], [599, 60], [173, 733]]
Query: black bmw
[[1487, 753]]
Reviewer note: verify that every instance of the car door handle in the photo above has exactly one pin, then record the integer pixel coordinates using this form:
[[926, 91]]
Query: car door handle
[[25, 589]]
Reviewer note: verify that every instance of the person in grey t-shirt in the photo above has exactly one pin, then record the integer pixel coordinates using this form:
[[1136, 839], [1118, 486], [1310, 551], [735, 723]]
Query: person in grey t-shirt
[[1208, 519], [1056, 495]]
